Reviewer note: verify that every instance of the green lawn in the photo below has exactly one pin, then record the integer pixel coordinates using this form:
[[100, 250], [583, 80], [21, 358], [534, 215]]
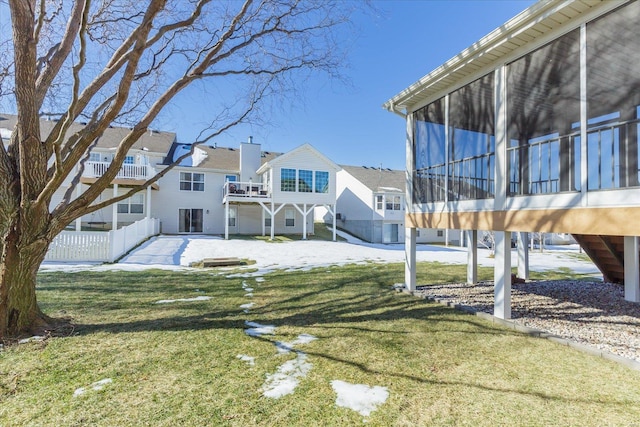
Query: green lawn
[[177, 364]]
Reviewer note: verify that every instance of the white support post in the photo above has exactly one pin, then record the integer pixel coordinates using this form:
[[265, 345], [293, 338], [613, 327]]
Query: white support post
[[410, 259], [148, 200], [304, 221], [226, 220], [472, 256], [114, 209], [273, 221], [502, 275], [333, 215], [523, 255], [264, 217], [631, 269], [79, 219]]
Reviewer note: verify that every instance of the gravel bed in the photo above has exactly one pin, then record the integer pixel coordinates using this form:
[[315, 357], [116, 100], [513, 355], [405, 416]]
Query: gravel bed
[[595, 314]]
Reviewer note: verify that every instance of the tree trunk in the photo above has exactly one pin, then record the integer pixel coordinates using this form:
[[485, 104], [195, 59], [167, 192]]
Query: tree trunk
[[19, 311]]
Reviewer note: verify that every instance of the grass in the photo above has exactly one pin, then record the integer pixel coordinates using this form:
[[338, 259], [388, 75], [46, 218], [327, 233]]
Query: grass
[[176, 364]]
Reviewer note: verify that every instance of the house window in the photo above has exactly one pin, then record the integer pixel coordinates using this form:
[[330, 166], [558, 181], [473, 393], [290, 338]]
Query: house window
[[95, 157], [230, 178], [305, 181], [289, 217], [393, 203], [397, 203], [191, 181], [129, 160], [190, 220], [233, 215], [379, 202], [322, 182], [440, 233], [287, 179], [267, 222], [132, 205]]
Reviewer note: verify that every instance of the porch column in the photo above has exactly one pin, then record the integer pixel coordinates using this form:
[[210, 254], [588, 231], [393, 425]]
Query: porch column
[[273, 220], [502, 275], [79, 219], [148, 202], [114, 209], [472, 256], [410, 258], [264, 217], [226, 220], [304, 221], [631, 269], [523, 255], [333, 215]]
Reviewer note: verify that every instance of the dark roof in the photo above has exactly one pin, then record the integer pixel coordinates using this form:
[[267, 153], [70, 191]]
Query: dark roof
[[154, 141], [222, 158], [377, 179]]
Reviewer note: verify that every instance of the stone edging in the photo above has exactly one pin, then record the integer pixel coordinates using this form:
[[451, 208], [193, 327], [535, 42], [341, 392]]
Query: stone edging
[[629, 363]]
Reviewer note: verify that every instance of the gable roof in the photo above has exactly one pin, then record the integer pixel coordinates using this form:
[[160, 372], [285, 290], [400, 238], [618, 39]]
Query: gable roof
[[524, 31], [304, 147], [378, 179], [154, 141], [219, 158]]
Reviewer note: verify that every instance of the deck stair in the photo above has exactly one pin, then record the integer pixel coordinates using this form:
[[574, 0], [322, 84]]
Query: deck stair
[[606, 252]]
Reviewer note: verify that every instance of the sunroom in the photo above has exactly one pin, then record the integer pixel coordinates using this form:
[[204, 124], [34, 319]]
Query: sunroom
[[533, 129]]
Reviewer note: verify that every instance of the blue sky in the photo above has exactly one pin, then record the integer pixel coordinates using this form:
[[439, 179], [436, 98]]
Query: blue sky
[[393, 50]]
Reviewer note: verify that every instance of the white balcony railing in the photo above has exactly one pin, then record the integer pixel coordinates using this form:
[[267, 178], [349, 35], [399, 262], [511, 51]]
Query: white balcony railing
[[127, 171], [246, 189]]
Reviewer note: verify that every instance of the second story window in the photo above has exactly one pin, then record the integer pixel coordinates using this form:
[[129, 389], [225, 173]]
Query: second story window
[[379, 201], [305, 181], [393, 203], [129, 160], [287, 179], [191, 181], [322, 182]]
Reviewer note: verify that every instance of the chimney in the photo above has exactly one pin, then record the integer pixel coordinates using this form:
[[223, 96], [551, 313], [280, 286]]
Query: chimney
[[250, 160]]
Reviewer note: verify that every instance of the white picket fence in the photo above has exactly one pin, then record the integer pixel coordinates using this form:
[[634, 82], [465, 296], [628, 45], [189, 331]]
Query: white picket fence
[[105, 246]]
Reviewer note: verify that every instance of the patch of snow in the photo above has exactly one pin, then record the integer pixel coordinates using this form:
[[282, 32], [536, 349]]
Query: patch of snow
[[247, 306], [168, 301], [249, 295], [257, 330], [249, 359], [287, 377], [259, 279], [97, 386], [359, 397], [35, 338], [286, 347], [248, 289]]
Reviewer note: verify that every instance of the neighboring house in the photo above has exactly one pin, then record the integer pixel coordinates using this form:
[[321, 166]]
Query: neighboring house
[[371, 206], [215, 190], [534, 128], [140, 164], [245, 191]]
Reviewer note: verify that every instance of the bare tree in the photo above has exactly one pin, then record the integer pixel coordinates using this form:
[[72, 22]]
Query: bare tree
[[124, 61]]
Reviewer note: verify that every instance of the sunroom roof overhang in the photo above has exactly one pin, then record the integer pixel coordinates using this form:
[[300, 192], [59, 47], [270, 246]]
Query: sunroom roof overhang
[[524, 29]]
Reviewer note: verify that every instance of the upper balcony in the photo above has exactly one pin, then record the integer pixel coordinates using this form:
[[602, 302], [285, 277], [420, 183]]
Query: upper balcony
[[127, 171], [245, 191]]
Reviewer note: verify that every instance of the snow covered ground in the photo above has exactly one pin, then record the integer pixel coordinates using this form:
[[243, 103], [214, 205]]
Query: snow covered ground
[[178, 252]]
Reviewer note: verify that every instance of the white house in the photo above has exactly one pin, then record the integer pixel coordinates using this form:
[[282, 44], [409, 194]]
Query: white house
[[220, 191], [534, 128], [245, 191], [371, 206]]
